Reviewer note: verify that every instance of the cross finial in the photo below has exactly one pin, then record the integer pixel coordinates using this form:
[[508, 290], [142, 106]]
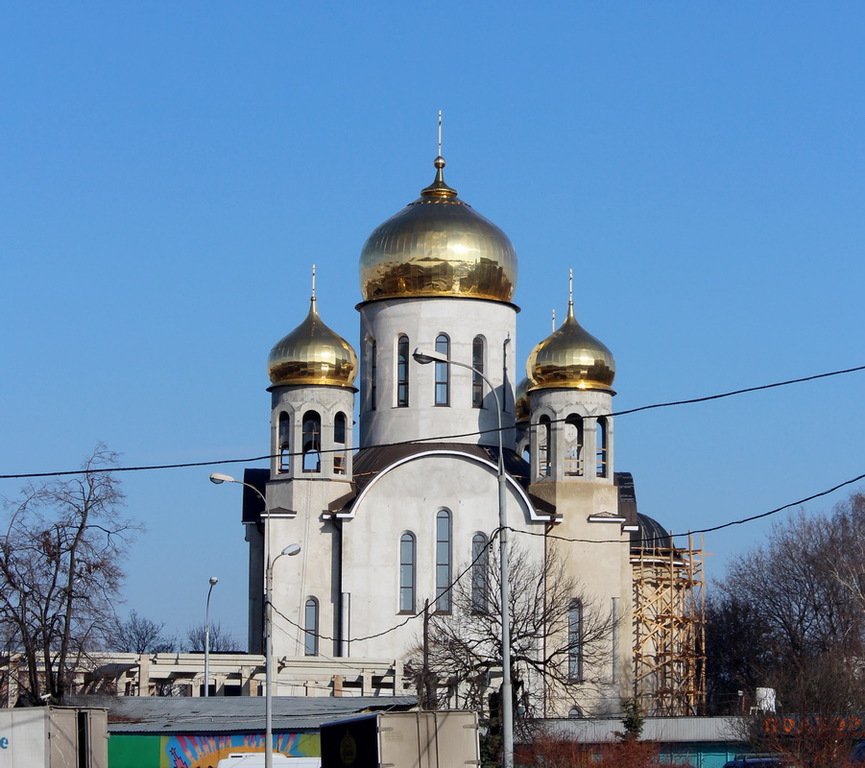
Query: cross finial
[[440, 133], [570, 289], [313, 282], [554, 319]]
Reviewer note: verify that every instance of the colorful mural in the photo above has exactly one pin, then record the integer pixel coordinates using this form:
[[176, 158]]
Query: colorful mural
[[200, 750]]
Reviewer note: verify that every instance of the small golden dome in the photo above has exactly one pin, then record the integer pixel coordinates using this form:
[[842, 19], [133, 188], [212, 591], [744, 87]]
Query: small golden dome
[[522, 410], [312, 354], [438, 246], [571, 358]]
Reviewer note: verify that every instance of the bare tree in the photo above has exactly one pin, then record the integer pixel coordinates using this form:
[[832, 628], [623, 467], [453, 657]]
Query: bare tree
[[789, 616], [60, 572], [463, 649], [137, 634], [221, 640]]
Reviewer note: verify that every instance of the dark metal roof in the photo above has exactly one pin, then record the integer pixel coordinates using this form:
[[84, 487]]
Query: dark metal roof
[[236, 714], [627, 496], [651, 536], [253, 506]]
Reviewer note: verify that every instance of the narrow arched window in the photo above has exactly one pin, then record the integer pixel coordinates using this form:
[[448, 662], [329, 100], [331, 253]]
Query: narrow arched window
[[478, 365], [480, 574], [310, 627], [601, 447], [373, 373], [544, 446], [573, 461], [407, 572], [444, 552], [339, 444], [402, 356], [443, 371], [311, 442], [575, 641], [284, 442]]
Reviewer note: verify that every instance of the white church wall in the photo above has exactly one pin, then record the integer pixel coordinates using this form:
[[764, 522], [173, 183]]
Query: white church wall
[[421, 320]]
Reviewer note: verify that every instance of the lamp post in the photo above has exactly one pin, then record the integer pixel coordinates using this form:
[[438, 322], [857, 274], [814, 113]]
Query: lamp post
[[213, 581], [424, 358], [291, 549]]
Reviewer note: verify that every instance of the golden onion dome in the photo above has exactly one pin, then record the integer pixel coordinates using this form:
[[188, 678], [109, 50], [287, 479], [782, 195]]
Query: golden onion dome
[[571, 358], [438, 246], [312, 354], [522, 409]]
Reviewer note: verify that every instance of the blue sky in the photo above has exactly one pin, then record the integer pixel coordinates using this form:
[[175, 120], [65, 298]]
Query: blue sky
[[169, 172]]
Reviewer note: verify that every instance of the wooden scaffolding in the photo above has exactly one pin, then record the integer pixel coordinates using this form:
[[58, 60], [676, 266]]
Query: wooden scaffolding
[[669, 628]]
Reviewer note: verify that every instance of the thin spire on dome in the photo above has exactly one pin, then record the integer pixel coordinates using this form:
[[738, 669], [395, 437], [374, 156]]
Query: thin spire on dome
[[438, 188], [571, 293], [554, 319], [312, 302]]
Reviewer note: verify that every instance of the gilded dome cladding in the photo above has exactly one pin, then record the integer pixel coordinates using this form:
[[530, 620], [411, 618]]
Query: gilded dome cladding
[[571, 358], [438, 246], [312, 354]]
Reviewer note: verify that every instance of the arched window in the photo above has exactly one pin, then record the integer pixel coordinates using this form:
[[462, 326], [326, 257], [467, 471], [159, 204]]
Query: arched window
[[444, 551], [373, 373], [480, 574], [544, 446], [443, 371], [601, 447], [310, 627], [283, 438], [573, 445], [407, 572], [575, 641], [339, 444], [478, 365], [311, 442], [402, 356]]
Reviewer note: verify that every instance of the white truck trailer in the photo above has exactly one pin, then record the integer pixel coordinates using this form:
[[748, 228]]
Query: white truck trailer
[[53, 737], [446, 739]]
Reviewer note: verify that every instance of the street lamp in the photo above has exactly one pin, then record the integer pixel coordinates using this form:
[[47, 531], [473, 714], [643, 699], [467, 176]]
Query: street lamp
[[213, 581], [291, 549], [424, 357]]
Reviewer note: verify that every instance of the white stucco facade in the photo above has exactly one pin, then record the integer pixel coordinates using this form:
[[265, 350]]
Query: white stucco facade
[[386, 511]]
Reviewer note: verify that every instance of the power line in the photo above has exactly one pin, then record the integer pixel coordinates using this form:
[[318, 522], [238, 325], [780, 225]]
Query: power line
[[421, 441]]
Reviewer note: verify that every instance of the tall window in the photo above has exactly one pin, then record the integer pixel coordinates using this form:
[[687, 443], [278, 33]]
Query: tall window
[[443, 370], [339, 444], [443, 561], [284, 442], [601, 447], [402, 372], [310, 627], [480, 574], [373, 373], [544, 446], [407, 573], [573, 445], [575, 641], [311, 442], [478, 365]]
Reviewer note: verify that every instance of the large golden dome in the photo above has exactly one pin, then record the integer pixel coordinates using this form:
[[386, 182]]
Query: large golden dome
[[438, 246], [571, 358], [312, 354]]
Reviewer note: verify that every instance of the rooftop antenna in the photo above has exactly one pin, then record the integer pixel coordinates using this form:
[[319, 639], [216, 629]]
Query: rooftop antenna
[[440, 133]]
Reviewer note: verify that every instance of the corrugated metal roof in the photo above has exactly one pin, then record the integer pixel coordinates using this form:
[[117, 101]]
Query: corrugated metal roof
[[237, 714], [663, 729]]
